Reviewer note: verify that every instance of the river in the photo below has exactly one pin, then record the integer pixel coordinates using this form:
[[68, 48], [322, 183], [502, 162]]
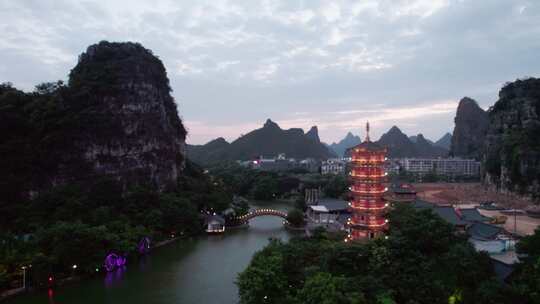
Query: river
[[201, 270]]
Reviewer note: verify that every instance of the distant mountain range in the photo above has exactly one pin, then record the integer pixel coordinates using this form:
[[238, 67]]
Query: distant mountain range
[[350, 140], [271, 140], [400, 145], [445, 141], [268, 141]]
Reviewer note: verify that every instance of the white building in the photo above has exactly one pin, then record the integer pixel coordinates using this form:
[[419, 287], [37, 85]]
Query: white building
[[333, 166], [442, 166]]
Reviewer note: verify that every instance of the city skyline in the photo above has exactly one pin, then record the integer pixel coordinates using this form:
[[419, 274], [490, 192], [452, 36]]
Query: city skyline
[[335, 64]]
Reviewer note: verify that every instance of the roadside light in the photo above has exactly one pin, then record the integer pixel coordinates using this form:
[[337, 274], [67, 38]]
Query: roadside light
[[74, 266]]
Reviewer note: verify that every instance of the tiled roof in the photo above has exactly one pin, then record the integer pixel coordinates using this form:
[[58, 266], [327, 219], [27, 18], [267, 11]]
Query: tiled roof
[[502, 270], [217, 218], [449, 215], [482, 231], [333, 204], [369, 145], [421, 204], [472, 215], [318, 208]]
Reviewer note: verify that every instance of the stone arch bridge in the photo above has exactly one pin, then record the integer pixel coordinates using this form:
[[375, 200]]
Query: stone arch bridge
[[261, 212]]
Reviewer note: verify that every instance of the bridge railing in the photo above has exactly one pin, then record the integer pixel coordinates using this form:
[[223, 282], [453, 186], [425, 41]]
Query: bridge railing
[[261, 212]]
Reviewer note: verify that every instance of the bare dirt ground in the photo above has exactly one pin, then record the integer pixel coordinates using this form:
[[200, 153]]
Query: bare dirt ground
[[467, 193], [525, 225], [472, 194]]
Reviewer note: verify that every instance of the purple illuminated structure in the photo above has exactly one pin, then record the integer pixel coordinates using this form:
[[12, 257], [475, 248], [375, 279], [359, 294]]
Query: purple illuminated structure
[[144, 245], [114, 261]]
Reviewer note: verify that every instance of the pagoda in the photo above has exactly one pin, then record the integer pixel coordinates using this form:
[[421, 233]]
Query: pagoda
[[367, 204]]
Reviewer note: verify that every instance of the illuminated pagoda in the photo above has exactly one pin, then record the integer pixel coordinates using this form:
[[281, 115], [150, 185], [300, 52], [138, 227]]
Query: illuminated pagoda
[[368, 177]]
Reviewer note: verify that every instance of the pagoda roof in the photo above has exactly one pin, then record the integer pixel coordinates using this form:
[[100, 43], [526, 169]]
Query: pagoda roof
[[369, 145]]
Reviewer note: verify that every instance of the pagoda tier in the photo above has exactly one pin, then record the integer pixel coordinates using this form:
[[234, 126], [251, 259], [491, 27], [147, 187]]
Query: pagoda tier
[[367, 204]]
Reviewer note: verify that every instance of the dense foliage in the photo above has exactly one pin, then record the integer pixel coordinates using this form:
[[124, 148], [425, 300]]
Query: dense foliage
[[422, 261], [526, 278], [337, 186], [295, 217], [267, 185], [258, 185], [76, 225]]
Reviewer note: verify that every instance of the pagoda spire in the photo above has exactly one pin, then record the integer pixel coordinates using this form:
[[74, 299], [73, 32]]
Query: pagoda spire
[[367, 132]]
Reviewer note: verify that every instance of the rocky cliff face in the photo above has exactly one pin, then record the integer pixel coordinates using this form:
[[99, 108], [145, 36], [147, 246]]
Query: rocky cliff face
[[115, 120], [512, 145], [470, 129], [132, 131]]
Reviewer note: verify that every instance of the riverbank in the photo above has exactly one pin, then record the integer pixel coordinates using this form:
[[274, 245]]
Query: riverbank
[[8, 294], [199, 270]]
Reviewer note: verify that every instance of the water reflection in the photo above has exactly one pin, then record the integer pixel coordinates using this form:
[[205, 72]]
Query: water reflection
[[114, 277], [50, 294], [201, 270]]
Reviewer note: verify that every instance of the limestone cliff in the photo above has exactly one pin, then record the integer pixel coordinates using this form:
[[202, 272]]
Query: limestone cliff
[[470, 129], [132, 132], [512, 146], [116, 119]]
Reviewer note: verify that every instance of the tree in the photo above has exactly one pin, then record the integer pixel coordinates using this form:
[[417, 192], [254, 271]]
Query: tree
[[265, 188], [336, 186], [300, 203], [526, 279], [240, 207], [422, 261], [323, 288], [296, 218], [264, 281]]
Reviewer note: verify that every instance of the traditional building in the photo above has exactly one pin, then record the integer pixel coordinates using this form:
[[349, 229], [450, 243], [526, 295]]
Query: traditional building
[[401, 193], [214, 224], [368, 178]]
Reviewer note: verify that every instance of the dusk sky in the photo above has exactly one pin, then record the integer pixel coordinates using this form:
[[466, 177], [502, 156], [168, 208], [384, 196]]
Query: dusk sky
[[335, 64]]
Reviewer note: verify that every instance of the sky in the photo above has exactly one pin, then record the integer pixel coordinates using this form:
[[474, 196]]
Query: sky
[[334, 64]]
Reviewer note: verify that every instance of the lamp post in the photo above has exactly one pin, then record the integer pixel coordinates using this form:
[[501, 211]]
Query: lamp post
[[24, 277]]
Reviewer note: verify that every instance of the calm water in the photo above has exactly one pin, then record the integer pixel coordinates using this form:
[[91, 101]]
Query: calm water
[[202, 270]]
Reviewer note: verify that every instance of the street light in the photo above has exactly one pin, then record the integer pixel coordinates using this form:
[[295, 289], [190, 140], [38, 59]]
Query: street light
[[24, 277]]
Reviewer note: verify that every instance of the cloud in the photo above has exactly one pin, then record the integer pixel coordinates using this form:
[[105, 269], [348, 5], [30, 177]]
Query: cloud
[[237, 63]]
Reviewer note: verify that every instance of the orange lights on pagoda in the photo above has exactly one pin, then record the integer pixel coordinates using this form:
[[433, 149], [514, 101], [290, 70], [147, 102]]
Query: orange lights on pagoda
[[368, 178]]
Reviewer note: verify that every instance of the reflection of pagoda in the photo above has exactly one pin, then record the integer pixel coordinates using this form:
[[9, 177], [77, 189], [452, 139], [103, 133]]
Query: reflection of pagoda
[[368, 179]]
